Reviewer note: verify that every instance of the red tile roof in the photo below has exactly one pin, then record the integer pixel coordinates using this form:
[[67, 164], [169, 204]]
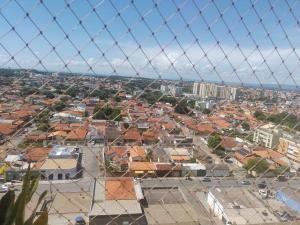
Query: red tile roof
[[37, 154], [132, 135], [119, 189], [7, 129], [137, 151], [142, 166], [77, 134]]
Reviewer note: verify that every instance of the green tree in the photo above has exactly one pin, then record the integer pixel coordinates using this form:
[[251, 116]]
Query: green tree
[[214, 141], [126, 125], [259, 115], [43, 126], [72, 91], [258, 164], [206, 111], [59, 106], [49, 94], [281, 170], [107, 113], [25, 91], [86, 114], [182, 108], [245, 126], [117, 99]]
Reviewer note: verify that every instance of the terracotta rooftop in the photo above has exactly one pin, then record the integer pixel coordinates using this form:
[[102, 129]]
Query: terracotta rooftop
[[137, 151], [117, 150], [168, 126], [180, 157], [37, 154], [77, 134], [61, 127], [119, 189], [132, 134], [142, 166], [149, 135], [168, 166], [228, 142], [7, 129]]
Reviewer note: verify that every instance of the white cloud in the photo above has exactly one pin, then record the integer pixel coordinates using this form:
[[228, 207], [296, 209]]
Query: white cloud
[[261, 61]]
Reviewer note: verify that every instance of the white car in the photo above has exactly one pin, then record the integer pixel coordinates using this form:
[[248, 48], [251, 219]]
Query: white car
[[4, 188]]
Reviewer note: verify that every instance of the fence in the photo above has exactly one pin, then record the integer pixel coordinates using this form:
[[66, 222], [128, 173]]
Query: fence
[[153, 112]]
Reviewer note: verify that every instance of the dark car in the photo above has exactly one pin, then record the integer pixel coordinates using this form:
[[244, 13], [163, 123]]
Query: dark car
[[262, 186], [206, 179]]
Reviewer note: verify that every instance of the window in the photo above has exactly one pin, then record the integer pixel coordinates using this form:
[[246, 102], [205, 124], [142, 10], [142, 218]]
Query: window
[[59, 176], [50, 177], [67, 176]]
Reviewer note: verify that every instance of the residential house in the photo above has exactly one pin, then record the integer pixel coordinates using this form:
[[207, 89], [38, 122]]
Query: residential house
[[142, 169], [178, 155], [77, 135], [37, 154], [168, 169], [242, 156], [150, 136], [193, 169], [36, 137], [137, 154], [118, 157], [57, 169], [113, 134], [132, 135], [117, 198], [228, 143], [217, 170]]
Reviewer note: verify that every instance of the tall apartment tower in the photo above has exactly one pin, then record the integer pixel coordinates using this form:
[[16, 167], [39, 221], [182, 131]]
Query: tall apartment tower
[[208, 90], [229, 93], [196, 88]]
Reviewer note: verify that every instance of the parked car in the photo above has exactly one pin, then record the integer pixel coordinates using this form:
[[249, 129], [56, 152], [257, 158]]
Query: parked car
[[79, 221], [245, 182], [282, 178], [4, 188], [261, 185], [206, 179]]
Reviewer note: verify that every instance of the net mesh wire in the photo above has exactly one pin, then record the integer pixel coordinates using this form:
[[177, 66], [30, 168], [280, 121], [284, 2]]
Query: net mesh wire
[[127, 63]]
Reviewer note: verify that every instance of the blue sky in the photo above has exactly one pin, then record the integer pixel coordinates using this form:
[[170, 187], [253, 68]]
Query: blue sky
[[207, 56]]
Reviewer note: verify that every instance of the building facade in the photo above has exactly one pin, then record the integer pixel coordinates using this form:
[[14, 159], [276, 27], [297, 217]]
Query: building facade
[[209, 90], [266, 136], [289, 147]]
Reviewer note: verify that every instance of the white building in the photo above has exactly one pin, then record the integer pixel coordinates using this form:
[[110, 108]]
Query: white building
[[238, 206], [209, 90], [59, 169], [62, 163], [175, 91], [266, 136]]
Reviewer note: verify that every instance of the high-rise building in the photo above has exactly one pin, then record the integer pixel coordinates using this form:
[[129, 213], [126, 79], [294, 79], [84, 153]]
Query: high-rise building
[[164, 88], [175, 91], [196, 88], [171, 89], [226, 92], [208, 90]]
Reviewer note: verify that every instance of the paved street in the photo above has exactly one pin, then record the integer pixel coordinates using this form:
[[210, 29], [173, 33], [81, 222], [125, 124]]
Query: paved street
[[215, 182], [92, 161]]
